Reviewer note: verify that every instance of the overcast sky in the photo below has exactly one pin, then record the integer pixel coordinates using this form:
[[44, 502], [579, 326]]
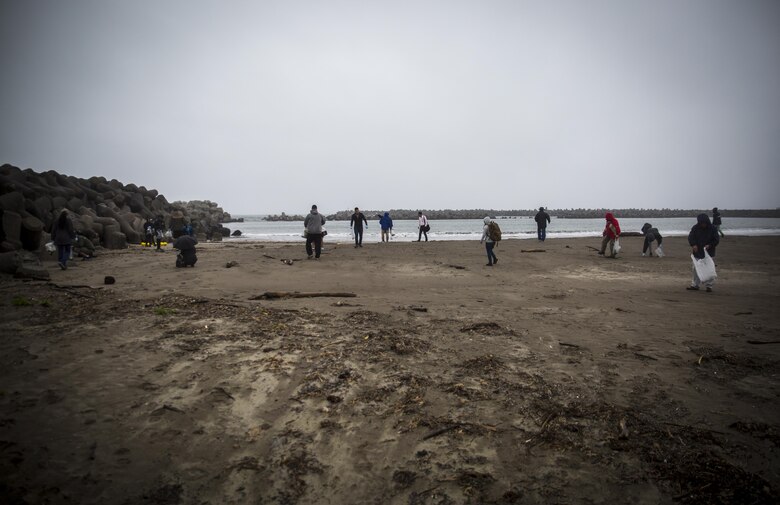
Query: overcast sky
[[271, 106]]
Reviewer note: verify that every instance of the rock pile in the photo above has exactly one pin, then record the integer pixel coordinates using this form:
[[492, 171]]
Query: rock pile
[[104, 211]]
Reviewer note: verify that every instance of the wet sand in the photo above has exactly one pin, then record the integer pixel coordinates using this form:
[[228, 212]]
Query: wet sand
[[552, 377]]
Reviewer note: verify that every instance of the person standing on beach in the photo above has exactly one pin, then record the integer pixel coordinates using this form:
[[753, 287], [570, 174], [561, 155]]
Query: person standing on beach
[[542, 218], [489, 242], [62, 234], [159, 230], [313, 226], [703, 237], [716, 221], [356, 222], [652, 235], [611, 233], [386, 223], [422, 225]]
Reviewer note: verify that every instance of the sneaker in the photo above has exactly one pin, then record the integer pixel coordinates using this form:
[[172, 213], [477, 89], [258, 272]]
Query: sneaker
[[309, 257], [709, 289], [495, 261], [692, 288], [601, 253], [62, 265], [489, 265]]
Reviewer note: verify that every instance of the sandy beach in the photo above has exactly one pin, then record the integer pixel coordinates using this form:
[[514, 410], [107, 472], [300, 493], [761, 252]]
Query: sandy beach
[[553, 377]]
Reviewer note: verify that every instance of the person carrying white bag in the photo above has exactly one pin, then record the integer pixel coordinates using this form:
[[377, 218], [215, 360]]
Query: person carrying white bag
[[703, 239]]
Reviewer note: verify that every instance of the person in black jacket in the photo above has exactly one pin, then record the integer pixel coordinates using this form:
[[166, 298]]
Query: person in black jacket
[[159, 230], [542, 218], [356, 222], [62, 234], [703, 237], [652, 235], [716, 221]]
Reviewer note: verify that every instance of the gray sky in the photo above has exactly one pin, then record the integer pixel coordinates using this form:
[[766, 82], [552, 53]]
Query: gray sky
[[271, 106]]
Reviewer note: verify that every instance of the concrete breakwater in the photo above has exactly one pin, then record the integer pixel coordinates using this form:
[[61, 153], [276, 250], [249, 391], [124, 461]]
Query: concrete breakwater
[[107, 212]]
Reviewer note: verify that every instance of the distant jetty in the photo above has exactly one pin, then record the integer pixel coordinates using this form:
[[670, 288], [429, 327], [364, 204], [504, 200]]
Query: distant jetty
[[345, 215]]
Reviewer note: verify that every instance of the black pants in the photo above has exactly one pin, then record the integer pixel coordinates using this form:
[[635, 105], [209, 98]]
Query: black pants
[[186, 258], [421, 233], [647, 245], [358, 236], [315, 238]]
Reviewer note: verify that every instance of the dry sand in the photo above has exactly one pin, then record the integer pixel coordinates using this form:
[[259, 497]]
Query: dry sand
[[553, 377]]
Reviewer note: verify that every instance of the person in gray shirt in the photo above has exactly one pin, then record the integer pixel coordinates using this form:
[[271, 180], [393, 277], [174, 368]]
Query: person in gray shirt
[[313, 229]]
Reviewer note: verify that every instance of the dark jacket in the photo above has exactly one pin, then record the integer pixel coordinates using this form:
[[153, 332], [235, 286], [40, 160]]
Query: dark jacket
[[703, 234], [358, 220], [651, 233], [386, 222], [63, 235], [716, 218], [542, 218]]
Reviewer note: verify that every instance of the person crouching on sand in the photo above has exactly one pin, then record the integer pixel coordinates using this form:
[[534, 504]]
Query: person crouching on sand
[[611, 233], [489, 243], [703, 237], [187, 256], [652, 235], [313, 225]]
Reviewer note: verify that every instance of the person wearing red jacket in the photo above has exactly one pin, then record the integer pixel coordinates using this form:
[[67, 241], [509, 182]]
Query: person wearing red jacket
[[611, 233]]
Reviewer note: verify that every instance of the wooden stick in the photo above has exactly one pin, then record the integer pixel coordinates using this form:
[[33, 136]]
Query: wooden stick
[[763, 342], [273, 295], [532, 250], [436, 433], [639, 355]]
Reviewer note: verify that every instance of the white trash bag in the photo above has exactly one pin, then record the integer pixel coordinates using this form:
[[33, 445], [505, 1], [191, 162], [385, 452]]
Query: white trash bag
[[50, 247], [616, 247], [659, 252], [705, 268]]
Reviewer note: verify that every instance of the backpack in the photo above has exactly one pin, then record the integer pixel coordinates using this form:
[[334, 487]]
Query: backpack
[[494, 231]]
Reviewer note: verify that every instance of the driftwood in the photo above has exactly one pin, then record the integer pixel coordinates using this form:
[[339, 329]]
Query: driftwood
[[763, 342], [70, 289], [568, 345], [532, 250], [594, 248], [274, 295], [440, 431]]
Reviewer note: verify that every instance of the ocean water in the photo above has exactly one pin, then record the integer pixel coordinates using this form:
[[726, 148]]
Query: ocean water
[[254, 228]]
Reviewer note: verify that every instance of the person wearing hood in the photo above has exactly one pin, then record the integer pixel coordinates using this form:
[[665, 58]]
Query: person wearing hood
[[703, 237], [313, 227], [489, 243], [652, 235], [611, 233], [542, 218], [63, 234], [186, 246], [716, 221], [386, 223]]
